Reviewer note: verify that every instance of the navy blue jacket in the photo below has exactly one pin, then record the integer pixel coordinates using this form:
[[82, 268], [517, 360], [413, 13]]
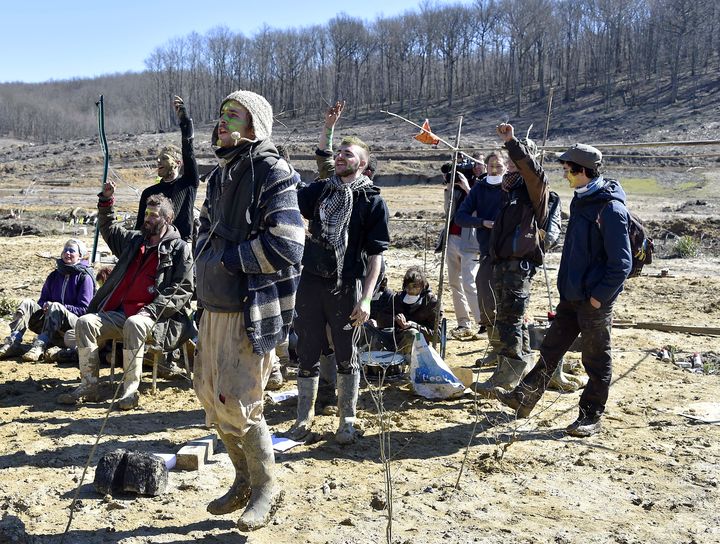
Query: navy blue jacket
[[484, 200], [596, 256]]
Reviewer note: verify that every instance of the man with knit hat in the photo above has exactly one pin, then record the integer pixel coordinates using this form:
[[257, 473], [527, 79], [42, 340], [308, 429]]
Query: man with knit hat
[[596, 260], [347, 234], [248, 253]]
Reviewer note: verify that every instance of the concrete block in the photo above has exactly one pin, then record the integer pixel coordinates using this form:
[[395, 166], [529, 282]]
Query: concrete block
[[210, 442], [191, 457]]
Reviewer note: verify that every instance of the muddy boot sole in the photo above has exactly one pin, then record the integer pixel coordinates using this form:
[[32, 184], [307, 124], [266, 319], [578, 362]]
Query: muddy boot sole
[[258, 516]]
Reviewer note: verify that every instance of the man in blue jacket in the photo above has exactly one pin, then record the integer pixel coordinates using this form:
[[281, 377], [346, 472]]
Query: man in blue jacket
[[596, 259]]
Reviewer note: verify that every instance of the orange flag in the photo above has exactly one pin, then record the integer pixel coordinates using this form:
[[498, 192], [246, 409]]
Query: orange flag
[[427, 137]]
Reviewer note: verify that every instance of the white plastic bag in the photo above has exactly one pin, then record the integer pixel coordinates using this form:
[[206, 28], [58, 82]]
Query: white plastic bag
[[429, 375]]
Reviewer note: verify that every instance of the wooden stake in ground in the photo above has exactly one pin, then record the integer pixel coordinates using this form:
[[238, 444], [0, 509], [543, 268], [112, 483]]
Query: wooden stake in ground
[[106, 159], [451, 188]]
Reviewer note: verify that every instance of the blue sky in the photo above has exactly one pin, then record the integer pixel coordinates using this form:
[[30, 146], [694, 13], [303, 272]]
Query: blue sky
[[62, 39]]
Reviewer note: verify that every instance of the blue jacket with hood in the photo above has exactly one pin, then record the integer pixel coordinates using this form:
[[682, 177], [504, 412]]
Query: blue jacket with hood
[[596, 257]]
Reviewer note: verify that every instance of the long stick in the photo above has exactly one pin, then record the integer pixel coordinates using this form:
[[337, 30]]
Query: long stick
[[448, 213], [103, 144], [551, 311]]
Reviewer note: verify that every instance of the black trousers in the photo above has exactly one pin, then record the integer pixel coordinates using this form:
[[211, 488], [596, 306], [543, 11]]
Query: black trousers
[[571, 319], [318, 303]]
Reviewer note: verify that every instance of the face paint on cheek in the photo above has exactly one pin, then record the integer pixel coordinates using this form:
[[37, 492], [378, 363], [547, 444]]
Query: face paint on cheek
[[572, 179]]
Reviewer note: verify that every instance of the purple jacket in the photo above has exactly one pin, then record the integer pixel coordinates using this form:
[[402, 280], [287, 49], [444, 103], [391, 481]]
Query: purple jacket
[[72, 286]]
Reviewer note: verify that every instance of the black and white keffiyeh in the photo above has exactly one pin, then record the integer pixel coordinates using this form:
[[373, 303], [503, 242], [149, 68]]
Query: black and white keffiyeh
[[335, 211]]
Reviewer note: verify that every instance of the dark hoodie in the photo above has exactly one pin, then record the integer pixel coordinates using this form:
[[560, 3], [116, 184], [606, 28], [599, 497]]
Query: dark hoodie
[[596, 256], [368, 232]]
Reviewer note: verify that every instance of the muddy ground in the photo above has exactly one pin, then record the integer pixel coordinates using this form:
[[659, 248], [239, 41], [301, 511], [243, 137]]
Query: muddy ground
[[650, 476]]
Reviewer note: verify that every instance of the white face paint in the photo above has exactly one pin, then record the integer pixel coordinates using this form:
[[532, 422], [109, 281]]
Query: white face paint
[[411, 299], [494, 180]]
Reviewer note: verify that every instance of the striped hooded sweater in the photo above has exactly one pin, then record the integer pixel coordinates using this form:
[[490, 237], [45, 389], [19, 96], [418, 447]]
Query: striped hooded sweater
[[250, 242]]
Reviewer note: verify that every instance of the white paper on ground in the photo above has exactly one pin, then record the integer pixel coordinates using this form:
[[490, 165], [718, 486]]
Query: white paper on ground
[[169, 458], [281, 444], [279, 396]]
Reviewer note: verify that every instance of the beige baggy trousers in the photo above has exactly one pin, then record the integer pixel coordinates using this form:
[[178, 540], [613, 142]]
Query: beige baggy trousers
[[229, 377]]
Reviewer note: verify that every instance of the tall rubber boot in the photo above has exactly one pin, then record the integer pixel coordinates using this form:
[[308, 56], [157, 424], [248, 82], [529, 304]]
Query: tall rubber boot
[[507, 375], [132, 373], [348, 388], [307, 394], [327, 398], [89, 372], [265, 494], [239, 493]]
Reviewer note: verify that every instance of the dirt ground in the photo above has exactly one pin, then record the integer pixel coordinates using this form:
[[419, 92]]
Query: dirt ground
[[650, 476]]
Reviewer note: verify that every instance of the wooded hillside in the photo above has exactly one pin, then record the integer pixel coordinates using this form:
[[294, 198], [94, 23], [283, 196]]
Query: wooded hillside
[[630, 53]]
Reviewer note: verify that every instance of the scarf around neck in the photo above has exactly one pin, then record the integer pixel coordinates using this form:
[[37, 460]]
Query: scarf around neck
[[511, 180], [335, 210]]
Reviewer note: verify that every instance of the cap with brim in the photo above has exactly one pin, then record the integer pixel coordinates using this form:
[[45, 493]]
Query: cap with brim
[[584, 155]]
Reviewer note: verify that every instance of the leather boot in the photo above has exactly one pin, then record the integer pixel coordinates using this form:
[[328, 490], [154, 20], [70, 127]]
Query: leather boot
[[348, 388], [239, 492], [132, 373], [307, 394], [89, 372], [265, 494], [523, 398]]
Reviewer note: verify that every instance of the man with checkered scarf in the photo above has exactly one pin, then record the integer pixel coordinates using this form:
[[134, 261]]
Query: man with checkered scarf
[[347, 234]]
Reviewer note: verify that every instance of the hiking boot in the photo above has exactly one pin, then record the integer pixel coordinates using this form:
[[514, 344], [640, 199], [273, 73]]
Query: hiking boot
[[35, 353], [584, 426], [10, 349], [562, 382], [84, 393], [169, 371], [462, 332], [51, 354], [129, 402], [66, 356], [275, 381]]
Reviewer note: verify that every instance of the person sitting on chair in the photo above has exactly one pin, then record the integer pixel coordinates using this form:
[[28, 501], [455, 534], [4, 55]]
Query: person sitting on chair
[[147, 296]]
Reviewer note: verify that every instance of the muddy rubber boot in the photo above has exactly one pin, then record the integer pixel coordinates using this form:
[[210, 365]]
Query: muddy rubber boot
[[275, 381], [239, 492], [89, 371], [562, 382], [132, 373], [307, 394], [348, 388], [327, 398], [265, 494], [507, 375]]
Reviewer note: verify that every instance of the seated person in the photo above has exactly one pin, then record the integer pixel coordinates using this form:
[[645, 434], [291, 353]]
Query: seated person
[[145, 298], [65, 296], [408, 312]]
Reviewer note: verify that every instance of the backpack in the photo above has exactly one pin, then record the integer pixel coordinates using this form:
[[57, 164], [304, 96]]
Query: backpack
[[553, 223], [641, 245]]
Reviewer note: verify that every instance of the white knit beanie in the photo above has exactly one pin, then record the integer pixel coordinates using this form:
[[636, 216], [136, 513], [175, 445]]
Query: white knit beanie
[[259, 108]]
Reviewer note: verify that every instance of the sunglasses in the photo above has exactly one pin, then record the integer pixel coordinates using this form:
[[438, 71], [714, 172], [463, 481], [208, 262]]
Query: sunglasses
[[69, 250]]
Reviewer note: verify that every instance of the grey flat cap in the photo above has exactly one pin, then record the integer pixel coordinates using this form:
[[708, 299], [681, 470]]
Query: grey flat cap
[[582, 154]]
